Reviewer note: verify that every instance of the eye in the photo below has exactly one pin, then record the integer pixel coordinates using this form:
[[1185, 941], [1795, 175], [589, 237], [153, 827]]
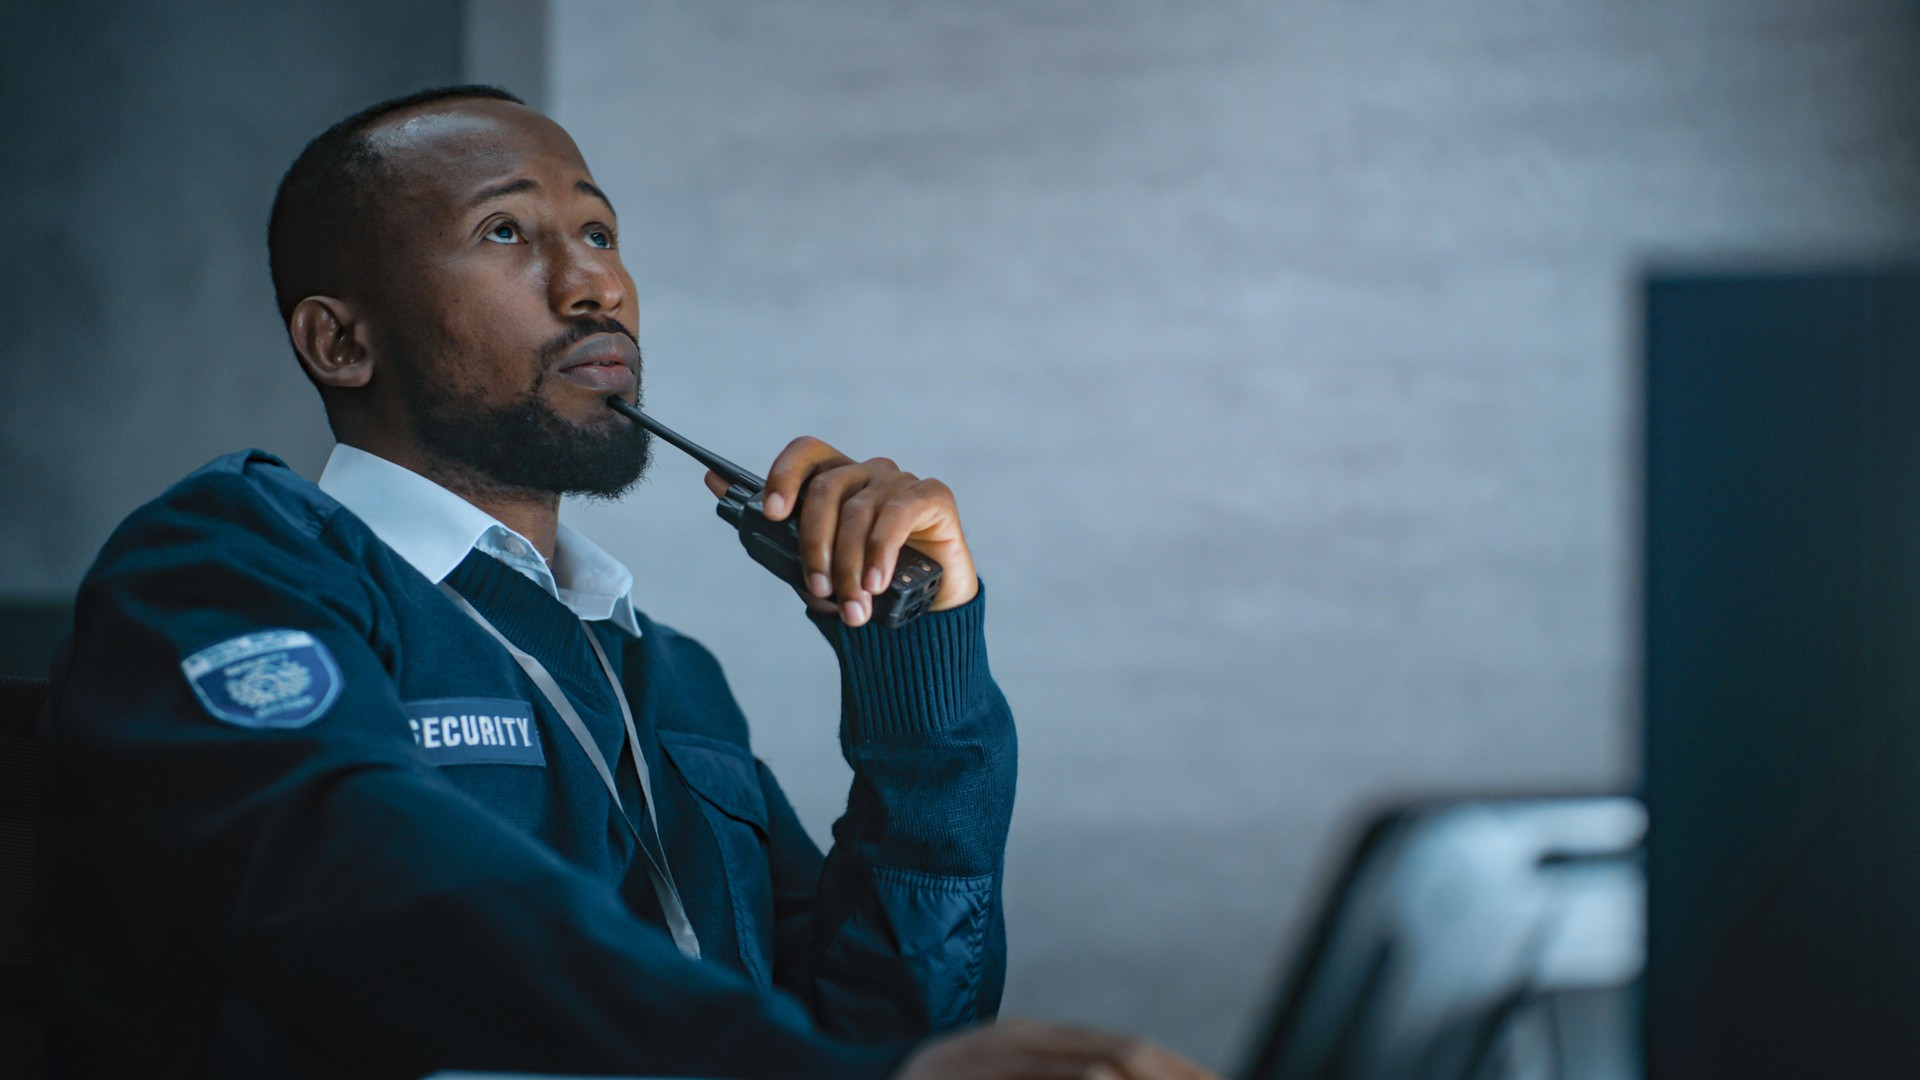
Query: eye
[[600, 238], [504, 232]]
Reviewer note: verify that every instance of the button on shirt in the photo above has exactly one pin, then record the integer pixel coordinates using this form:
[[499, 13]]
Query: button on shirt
[[433, 530]]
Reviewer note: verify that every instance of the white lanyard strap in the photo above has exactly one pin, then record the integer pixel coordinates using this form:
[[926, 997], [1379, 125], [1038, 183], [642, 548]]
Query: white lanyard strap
[[657, 874]]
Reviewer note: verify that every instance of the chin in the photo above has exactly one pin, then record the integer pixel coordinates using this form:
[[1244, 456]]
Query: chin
[[568, 446]]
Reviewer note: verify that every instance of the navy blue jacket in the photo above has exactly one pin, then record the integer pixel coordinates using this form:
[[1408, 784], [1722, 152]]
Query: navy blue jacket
[[238, 889]]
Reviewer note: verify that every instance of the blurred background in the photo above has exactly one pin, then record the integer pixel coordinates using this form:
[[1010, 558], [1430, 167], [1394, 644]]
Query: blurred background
[[1283, 357]]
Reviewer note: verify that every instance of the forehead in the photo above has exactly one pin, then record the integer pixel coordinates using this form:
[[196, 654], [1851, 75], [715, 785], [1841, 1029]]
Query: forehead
[[438, 155]]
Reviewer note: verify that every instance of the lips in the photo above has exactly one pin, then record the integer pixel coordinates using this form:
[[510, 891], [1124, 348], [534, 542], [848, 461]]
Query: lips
[[603, 363]]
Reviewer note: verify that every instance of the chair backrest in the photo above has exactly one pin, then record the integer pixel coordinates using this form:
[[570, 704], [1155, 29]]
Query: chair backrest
[[20, 703], [1473, 939]]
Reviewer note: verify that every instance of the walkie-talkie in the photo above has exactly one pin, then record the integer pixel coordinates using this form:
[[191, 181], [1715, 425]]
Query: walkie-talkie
[[776, 544]]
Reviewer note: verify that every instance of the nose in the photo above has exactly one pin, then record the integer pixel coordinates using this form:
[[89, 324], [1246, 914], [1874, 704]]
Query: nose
[[586, 281]]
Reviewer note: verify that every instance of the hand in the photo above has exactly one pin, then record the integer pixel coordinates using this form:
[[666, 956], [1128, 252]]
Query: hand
[[855, 518], [1024, 1050]]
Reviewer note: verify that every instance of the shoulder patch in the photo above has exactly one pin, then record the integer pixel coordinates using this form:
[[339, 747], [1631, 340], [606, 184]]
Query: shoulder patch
[[266, 679]]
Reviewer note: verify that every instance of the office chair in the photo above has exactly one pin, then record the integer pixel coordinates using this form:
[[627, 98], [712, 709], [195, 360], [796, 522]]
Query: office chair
[[1474, 939]]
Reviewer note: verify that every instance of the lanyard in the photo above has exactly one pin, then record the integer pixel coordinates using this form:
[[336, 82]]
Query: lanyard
[[657, 873]]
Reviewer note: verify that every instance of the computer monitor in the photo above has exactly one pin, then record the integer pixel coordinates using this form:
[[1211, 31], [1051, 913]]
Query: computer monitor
[[1782, 674]]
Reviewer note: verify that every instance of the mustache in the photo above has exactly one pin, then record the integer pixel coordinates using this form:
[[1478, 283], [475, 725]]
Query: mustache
[[573, 335]]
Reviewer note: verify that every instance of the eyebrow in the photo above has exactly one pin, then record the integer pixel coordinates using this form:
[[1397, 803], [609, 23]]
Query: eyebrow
[[528, 183]]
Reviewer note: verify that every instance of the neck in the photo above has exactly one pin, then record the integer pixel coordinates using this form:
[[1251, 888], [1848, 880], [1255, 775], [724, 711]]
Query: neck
[[533, 514]]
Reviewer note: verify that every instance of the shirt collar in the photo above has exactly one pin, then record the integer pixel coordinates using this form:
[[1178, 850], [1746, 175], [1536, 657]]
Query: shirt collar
[[433, 529]]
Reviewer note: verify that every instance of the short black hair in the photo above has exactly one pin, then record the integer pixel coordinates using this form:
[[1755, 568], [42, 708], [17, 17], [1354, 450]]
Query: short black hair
[[326, 213]]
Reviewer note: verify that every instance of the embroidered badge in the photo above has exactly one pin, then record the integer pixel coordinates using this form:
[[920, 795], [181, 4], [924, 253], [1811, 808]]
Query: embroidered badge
[[266, 679], [475, 731]]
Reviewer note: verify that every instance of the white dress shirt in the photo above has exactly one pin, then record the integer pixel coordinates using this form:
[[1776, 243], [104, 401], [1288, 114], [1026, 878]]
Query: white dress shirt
[[433, 529]]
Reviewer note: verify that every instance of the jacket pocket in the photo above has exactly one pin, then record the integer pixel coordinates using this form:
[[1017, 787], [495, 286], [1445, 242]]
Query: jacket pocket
[[734, 807]]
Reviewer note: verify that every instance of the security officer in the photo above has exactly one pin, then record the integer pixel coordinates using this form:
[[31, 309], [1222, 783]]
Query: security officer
[[388, 775]]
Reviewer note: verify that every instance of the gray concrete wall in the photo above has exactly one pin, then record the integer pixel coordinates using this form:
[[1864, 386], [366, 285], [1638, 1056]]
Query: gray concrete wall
[[504, 43], [1281, 355], [138, 335]]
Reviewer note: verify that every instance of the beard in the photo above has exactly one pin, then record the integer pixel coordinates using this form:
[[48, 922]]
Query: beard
[[524, 445]]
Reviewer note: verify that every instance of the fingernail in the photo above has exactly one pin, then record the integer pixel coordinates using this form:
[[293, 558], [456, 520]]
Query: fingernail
[[776, 505], [874, 581], [821, 587], [851, 613]]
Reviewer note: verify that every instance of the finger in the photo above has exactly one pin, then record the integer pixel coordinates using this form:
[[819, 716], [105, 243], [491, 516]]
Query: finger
[[850, 542], [1145, 1061], [793, 468], [820, 524], [716, 484], [902, 516]]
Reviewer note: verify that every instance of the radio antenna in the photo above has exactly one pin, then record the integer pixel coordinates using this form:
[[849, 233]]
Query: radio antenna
[[733, 474]]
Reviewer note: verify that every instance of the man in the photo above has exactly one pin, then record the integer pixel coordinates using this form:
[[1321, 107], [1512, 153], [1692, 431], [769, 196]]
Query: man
[[388, 775]]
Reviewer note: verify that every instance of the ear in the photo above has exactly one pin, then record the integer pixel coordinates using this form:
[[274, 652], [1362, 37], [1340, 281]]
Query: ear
[[331, 341]]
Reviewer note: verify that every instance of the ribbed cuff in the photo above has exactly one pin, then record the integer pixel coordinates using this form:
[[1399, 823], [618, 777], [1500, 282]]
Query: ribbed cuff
[[918, 680]]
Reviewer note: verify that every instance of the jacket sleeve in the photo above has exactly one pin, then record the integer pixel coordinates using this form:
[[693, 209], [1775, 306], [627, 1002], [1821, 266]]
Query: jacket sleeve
[[898, 931], [334, 880]]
